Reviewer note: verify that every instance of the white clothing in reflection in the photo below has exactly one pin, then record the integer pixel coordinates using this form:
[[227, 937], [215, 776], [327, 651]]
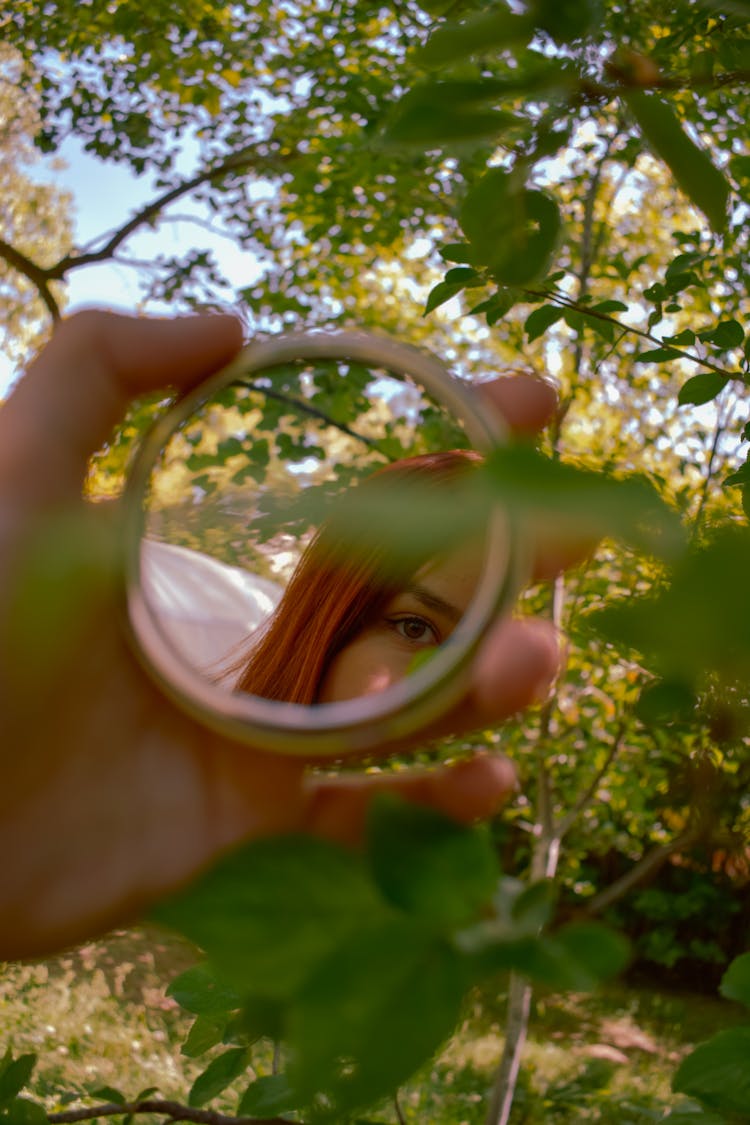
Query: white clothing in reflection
[[206, 608]]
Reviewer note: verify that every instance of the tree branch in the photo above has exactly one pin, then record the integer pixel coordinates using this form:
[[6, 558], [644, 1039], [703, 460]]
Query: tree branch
[[35, 274], [306, 408], [565, 302], [172, 1111], [648, 865], [236, 162]]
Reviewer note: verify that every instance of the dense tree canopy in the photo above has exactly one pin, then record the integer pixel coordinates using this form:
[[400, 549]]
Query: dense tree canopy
[[560, 185]]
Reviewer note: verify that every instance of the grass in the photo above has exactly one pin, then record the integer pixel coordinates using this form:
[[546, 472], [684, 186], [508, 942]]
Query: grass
[[98, 1016]]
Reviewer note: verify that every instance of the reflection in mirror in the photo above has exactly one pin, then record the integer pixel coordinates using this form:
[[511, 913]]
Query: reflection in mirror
[[288, 551]]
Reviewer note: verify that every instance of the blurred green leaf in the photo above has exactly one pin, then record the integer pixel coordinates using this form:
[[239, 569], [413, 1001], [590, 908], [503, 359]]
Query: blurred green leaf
[[580, 503], [718, 1072], [22, 1111], [14, 1075], [109, 1094], [439, 113], [735, 984], [666, 701], [699, 620], [691, 167], [564, 20], [532, 910], [373, 1011], [513, 230], [197, 990], [267, 912], [693, 1114], [492, 29], [428, 865], [596, 949]]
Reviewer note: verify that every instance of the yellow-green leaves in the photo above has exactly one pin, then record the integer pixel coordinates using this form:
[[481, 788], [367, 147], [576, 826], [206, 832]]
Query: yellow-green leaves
[[690, 165]]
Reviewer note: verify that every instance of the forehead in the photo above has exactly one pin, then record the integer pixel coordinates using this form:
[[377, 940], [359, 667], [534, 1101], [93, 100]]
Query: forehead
[[454, 577]]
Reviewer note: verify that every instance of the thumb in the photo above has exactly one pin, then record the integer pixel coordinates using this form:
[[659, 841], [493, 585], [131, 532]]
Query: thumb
[[79, 386]]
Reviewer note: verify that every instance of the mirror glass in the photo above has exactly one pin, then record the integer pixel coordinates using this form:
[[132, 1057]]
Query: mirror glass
[[305, 533]]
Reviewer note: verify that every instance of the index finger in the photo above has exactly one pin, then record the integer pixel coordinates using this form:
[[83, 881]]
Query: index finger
[[526, 402], [78, 387]]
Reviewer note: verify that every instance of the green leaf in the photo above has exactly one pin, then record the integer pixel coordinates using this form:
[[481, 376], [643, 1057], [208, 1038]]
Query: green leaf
[[428, 865], [440, 294], [609, 307], [727, 334], [598, 951], [441, 113], [541, 319], [735, 984], [533, 908], [581, 503], [701, 388], [197, 990], [458, 252], [682, 339], [718, 1072], [22, 1111], [219, 1074], [739, 166], [381, 1004], [742, 475], [268, 1097], [579, 956], [204, 1034], [267, 912], [666, 701], [513, 230], [691, 167], [14, 1075], [109, 1094], [693, 1114], [564, 20], [484, 31], [657, 355]]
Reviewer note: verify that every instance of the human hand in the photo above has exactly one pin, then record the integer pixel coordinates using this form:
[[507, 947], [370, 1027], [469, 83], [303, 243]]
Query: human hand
[[111, 797]]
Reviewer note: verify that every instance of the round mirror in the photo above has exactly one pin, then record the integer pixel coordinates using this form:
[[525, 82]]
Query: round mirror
[[309, 566]]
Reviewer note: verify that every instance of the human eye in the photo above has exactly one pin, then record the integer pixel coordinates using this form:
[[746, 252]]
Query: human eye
[[415, 629]]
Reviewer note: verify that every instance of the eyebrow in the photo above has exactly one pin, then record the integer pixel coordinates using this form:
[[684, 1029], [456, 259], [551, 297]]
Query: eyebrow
[[433, 601]]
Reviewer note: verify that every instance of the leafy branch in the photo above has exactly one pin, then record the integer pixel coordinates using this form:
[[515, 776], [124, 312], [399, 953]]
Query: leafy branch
[[41, 276]]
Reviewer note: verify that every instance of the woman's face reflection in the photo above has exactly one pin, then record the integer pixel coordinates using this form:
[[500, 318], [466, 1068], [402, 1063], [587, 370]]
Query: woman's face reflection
[[416, 619]]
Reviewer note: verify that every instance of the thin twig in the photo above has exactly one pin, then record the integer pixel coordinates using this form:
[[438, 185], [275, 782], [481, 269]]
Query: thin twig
[[306, 408]]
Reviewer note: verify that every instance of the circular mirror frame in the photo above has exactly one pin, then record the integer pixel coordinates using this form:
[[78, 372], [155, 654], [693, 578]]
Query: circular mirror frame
[[330, 730]]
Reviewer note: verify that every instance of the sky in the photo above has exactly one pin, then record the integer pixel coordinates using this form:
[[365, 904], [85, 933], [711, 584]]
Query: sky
[[104, 196]]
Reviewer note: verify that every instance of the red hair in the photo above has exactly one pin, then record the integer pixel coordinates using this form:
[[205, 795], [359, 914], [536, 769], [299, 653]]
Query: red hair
[[332, 594]]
